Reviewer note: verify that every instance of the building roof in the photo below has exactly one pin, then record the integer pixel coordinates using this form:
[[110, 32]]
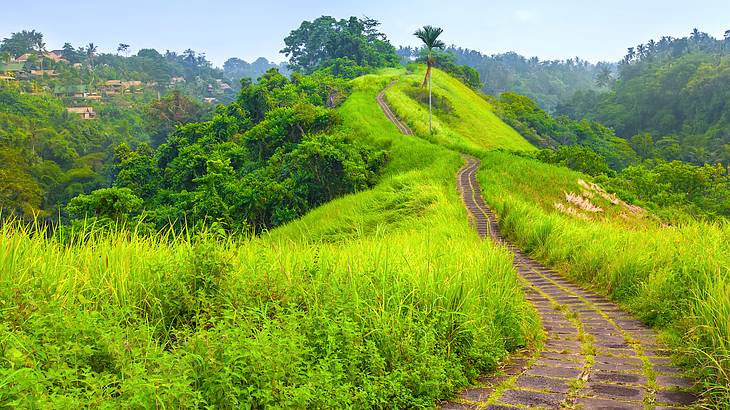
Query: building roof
[[80, 110], [49, 55]]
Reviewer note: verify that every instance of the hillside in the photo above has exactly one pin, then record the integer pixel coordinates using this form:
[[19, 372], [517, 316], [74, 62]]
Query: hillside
[[382, 297], [670, 99], [319, 302], [463, 120]]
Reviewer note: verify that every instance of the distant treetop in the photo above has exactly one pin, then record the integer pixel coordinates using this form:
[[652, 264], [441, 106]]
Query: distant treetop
[[339, 45]]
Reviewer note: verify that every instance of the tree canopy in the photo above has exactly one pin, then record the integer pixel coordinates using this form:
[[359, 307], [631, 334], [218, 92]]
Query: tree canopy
[[327, 42], [670, 100]]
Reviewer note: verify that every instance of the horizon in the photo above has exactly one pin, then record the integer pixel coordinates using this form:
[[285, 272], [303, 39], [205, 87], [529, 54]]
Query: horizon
[[584, 37]]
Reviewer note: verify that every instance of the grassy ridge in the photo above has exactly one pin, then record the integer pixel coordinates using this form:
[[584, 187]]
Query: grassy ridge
[[676, 278], [463, 120], [383, 298]]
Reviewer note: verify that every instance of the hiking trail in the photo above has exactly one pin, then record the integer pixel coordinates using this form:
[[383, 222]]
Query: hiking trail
[[595, 355]]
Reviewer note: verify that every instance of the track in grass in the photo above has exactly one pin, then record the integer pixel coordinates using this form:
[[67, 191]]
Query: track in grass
[[595, 356], [403, 128]]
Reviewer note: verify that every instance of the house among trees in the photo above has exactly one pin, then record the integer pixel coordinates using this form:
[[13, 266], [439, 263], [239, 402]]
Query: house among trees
[[176, 80], [118, 86], [86, 113]]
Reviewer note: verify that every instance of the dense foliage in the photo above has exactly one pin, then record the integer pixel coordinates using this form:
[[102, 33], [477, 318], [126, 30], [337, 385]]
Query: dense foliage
[[381, 299], [671, 188], [346, 48], [263, 160], [49, 155], [544, 130], [671, 99]]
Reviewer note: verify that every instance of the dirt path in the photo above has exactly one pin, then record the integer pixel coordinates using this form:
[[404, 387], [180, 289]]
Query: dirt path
[[596, 356], [389, 113]]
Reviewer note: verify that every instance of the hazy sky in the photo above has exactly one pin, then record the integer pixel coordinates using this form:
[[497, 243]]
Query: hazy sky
[[557, 29]]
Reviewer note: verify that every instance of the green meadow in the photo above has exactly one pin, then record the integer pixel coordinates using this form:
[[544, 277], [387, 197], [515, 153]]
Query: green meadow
[[382, 298]]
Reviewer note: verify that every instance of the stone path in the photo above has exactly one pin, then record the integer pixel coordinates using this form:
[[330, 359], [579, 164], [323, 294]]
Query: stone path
[[389, 113], [595, 356]]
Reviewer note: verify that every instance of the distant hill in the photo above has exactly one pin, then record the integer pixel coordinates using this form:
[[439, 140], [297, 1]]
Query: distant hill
[[235, 69], [671, 99]]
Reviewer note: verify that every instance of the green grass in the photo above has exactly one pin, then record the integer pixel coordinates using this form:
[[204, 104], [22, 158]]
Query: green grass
[[676, 278], [466, 122], [384, 298]]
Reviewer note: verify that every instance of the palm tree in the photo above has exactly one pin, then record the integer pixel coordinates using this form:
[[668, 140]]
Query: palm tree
[[40, 47], [90, 53], [429, 35], [630, 54], [603, 78], [123, 48]]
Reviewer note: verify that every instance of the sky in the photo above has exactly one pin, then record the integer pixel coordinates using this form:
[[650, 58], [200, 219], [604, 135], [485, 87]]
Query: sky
[[557, 29]]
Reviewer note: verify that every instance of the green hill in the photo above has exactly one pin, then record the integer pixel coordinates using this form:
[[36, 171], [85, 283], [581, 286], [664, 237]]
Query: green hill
[[463, 119], [381, 298]]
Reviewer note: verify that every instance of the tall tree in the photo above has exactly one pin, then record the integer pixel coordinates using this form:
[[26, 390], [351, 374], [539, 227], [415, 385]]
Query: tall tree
[[123, 48], [40, 48], [69, 53], [21, 43], [90, 52], [429, 35], [327, 42], [604, 78]]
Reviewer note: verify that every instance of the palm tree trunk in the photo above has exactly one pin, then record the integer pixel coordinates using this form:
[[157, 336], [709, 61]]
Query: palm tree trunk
[[430, 121]]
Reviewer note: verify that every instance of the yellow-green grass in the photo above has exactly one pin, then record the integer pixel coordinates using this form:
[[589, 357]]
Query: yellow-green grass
[[677, 278], [383, 298], [471, 124]]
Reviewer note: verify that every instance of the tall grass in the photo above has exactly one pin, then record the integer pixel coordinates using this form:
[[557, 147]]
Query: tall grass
[[384, 298], [676, 278]]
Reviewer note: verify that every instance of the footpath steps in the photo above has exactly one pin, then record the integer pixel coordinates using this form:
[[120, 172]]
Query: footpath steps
[[595, 356], [402, 127]]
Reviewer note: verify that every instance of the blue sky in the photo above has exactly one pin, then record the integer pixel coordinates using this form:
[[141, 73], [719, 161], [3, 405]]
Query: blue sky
[[557, 29]]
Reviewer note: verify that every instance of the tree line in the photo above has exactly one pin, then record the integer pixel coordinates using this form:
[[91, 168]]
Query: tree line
[[670, 99]]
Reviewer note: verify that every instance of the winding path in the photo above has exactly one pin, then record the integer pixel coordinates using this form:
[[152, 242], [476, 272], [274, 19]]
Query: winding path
[[402, 127], [595, 355]]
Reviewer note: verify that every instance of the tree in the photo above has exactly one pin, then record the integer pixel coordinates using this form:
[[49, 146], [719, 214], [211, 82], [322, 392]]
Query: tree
[[117, 204], [604, 78], [320, 43], [169, 112], [21, 43], [429, 35], [40, 48], [630, 54], [90, 52], [69, 53], [123, 48]]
